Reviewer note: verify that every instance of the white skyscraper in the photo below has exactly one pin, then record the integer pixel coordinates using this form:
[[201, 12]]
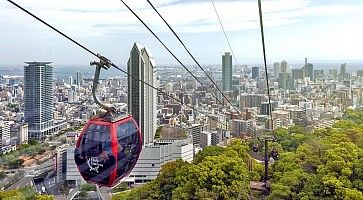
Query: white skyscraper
[[142, 98], [70, 80], [4, 133]]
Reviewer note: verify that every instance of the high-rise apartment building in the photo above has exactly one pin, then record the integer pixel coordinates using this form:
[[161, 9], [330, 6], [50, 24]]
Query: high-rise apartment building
[[227, 71], [284, 67], [23, 134], [250, 100], [343, 68], [196, 130], [276, 69], [243, 128], [308, 69], [265, 108], [297, 74], [38, 98], [285, 81], [70, 80], [60, 163], [255, 72], [4, 133], [205, 139], [142, 98], [79, 79]]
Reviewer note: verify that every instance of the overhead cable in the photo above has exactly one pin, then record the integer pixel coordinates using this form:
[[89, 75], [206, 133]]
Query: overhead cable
[[108, 61], [264, 59], [191, 55], [224, 31]]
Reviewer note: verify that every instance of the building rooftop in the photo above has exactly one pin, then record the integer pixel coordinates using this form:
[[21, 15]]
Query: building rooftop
[[34, 63]]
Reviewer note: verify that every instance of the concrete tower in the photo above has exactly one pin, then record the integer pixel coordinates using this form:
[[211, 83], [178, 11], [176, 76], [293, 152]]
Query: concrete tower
[[227, 71], [142, 98], [38, 98]]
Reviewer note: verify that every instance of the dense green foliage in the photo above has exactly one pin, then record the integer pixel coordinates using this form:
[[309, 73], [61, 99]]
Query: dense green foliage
[[325, 164], [216, 173], [2, 175], [120, 188], [26, 193], [88, 187], [12, 161]]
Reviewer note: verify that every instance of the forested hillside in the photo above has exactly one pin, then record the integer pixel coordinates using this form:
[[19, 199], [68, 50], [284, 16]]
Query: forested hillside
[[325, 164]]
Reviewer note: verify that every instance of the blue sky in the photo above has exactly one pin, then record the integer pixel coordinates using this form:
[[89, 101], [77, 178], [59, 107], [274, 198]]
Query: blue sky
[[322, 30]]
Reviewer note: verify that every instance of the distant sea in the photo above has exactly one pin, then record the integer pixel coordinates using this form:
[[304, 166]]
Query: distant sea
[[65, 71]]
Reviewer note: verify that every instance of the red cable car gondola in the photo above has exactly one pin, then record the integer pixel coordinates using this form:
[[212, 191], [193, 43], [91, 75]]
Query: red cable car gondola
[[109, 145]]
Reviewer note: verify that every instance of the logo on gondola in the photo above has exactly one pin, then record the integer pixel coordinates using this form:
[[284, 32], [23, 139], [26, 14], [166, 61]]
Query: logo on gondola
[[93, 164]]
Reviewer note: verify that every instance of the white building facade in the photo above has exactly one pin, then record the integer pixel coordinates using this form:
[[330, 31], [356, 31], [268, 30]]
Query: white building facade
[[154, 156]]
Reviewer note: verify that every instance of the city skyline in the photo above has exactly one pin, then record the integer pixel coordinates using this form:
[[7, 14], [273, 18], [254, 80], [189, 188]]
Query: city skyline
[[286, 23], [230, 129]]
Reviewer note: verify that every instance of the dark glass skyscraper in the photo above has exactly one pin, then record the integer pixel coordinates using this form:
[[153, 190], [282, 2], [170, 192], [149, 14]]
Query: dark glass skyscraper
[[255, 72], [38, 98], [309, 69]]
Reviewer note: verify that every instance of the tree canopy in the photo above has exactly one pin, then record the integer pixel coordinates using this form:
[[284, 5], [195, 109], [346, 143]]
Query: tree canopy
[[324, 164], [216, 173], [26, 193]]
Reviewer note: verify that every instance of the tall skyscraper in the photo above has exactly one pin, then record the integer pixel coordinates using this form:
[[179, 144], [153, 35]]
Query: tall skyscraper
[[343, 68], [297, 74], [38, 98], [276, 69], [70, 80], [309, 69], [227, 71], [284, 67], [142, 98], [255, 72], [79, 79], [285, 81]]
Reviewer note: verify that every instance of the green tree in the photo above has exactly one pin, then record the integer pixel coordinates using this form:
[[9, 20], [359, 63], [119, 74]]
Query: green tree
[[83, 195], [32, 142], [44, 197], [12, 195], [2, 175], [88, 187], [225, 175], [208, 151], [166, 178], [14, 164], [28, 192]]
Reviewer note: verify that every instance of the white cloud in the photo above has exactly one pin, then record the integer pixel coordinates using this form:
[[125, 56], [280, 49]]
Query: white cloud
[[95, 23], [96, 18]]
